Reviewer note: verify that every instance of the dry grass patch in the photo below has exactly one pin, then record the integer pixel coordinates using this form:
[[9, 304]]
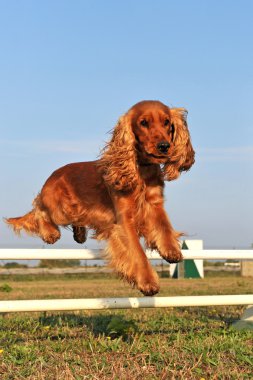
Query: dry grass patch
[[172, 343]]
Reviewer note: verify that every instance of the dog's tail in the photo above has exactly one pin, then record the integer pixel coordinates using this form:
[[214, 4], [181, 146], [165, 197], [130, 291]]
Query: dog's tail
[[36, 222], [27, 222]]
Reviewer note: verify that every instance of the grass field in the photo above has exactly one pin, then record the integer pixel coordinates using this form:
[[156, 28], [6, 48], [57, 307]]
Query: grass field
[[173, 343]]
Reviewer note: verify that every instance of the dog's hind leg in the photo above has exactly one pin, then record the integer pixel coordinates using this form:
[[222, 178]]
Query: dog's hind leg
[[36, 222], [48, 230], [79, 234]]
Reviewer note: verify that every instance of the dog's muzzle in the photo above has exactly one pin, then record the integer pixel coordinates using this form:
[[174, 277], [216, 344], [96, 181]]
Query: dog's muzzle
[[163, 147]]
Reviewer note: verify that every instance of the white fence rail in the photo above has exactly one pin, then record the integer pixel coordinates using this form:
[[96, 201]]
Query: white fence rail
[[123, 303], [120, 303], [96, 254]]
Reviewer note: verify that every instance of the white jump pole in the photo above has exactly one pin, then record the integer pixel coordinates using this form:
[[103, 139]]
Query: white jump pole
[[123, 303], [96, 254], [120, 303]]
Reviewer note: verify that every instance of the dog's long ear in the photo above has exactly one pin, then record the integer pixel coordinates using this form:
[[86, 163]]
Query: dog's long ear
[[182, 157], [118, 162]]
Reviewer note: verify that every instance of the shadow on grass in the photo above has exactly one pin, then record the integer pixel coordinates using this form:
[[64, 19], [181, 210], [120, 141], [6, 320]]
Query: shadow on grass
[[182, 320], [110, 325]]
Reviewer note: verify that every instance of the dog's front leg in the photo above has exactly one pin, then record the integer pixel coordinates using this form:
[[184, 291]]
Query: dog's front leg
[[160, 234], [126, 254]]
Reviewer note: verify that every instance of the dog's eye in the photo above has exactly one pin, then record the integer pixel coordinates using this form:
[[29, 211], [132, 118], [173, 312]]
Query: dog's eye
[[166, 122], [144, 123]]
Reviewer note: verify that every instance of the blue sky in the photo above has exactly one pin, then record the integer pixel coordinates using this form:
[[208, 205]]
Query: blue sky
[[69, 69]]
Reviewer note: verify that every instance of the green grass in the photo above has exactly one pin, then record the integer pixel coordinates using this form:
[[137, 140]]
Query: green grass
[[174, 343]]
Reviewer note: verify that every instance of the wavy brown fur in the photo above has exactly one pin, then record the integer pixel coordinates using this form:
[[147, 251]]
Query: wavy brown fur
[[118, 161], [120, 196], [183, 155]]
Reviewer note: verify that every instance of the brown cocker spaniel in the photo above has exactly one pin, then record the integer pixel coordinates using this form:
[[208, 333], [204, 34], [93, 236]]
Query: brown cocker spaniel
[[120, 196]]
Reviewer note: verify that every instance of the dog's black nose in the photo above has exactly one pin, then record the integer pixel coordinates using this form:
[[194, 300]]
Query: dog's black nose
[[163, 146]]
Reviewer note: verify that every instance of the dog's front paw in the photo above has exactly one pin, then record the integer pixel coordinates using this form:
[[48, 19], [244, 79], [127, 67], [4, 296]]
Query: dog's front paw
[[173, 256], [149, 289], [148, 283]]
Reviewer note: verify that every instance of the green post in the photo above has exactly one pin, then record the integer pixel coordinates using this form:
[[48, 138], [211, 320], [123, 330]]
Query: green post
[[187, 268]]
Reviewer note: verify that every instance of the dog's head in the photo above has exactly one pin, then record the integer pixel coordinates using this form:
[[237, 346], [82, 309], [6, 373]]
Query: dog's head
[[149, 133]]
